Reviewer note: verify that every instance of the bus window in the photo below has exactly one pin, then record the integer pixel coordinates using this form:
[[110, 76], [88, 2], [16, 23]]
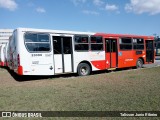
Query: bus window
[[30, 37], [96, 43], [81, 43], [57, 45], [138, 44], [37, 42], [43, 38], [37, 47], [125, 43]]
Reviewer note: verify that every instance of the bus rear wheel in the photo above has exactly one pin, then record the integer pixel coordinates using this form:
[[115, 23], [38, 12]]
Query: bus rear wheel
[[83, 69], [139, 64]]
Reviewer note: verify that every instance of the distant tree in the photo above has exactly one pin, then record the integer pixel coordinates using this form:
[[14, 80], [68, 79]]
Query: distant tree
[[156, 37]]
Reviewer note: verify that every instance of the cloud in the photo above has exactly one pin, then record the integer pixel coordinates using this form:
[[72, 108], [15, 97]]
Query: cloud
[[98, 2], [76, 2], [95, 2], [8, 4], [111, 7], [90, 12], [40, 10], [143, 6], [98, 5]]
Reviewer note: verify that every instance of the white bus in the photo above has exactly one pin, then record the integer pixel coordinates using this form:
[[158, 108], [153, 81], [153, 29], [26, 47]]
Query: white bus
[[51, 52], [3, 53], [2, 56]]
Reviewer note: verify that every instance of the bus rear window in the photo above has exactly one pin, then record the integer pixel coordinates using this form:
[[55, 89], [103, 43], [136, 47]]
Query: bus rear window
[[31, 38], [43, 38], [37, 47], [37, 42]]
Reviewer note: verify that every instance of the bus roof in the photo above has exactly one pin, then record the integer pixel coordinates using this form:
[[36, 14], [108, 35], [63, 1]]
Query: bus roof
[[125, 35], [54, 31], [82, 33]]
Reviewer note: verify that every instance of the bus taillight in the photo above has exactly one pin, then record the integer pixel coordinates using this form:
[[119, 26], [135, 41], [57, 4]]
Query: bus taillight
[[20, 70], [1, 63]]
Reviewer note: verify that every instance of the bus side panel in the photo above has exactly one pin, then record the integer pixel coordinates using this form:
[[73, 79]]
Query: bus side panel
[[96, 59], [39, 64], [126, 59]]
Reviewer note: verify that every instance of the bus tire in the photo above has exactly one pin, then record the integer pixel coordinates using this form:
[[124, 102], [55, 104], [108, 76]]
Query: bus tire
[[83, 69], [139, 63]]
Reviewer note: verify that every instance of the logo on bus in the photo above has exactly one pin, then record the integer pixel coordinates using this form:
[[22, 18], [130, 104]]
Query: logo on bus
[[119, 53]]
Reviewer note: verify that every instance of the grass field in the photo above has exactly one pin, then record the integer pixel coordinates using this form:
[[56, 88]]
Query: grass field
[[128, 90]]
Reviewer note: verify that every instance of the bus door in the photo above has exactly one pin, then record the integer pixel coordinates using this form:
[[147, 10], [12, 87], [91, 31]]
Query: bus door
[[63, 54], [149, 51], [111, 53]]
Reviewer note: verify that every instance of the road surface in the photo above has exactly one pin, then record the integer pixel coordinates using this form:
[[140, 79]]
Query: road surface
[[156, 63]]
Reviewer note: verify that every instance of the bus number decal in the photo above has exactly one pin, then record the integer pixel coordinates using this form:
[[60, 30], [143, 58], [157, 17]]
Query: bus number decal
[[35, 62], [48, 55], [36, 55]]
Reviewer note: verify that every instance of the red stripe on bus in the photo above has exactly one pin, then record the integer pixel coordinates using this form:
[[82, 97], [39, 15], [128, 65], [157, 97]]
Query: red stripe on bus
[[99, 64]]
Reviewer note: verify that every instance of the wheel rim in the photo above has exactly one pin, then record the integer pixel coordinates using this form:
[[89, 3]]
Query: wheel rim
[[84, 70], [139, 64]]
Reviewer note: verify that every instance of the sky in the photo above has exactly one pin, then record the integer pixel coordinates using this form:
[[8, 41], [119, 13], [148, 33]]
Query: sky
[[141, 17]]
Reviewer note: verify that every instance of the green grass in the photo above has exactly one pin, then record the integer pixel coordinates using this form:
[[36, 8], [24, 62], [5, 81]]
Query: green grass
[[135, 90]]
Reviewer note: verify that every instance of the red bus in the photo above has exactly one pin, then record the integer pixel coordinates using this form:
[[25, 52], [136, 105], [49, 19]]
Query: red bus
[[128, 50]]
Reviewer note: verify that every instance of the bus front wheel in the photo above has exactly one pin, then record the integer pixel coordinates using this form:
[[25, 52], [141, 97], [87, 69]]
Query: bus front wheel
[[139, 63], [83, 69]]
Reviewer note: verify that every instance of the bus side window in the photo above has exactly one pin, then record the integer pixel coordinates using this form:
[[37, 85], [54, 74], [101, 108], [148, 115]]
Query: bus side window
[[81, 43], [96, 43], [125, 43], [138, 44]]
